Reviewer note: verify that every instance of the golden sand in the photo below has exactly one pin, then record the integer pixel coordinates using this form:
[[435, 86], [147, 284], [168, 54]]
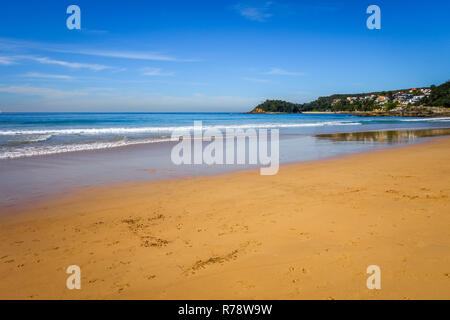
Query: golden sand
[[308, 232]]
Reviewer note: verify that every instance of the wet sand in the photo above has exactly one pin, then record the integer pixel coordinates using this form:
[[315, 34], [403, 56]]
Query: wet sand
[[308, 232], [30, 179]]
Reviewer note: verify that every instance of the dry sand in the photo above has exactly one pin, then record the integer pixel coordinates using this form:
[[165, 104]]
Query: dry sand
[[308, 232]]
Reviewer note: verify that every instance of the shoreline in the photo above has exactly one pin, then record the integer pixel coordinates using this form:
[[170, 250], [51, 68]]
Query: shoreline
[[386, 139], [146, 172], [413, 112], [53, 198], [308, 232]]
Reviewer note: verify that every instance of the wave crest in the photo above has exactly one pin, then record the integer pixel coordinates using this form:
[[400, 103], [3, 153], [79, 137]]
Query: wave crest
[[123, 130]]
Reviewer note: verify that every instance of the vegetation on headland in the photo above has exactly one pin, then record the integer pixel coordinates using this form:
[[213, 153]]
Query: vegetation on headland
[[426, 101], [439, 96], [278, 106]]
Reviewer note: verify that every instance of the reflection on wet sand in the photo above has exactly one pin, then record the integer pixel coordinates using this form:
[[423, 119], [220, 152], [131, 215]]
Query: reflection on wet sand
[[391, 136]]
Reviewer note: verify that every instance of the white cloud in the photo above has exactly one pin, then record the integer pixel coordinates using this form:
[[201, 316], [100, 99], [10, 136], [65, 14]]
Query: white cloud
[[259, 14], [6, 61], [47, 76], [257, 80], [48, 93], [73, 65], [107, 99], [157, 72], [45, 60], [127, 55], [14, 44], [281, 72]]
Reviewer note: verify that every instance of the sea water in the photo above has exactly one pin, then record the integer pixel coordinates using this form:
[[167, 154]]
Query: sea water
[[33, 134], [49, 153]]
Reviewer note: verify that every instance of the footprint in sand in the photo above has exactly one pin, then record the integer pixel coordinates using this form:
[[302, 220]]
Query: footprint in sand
[[113, 243], [141, 230], [245, 284], [304, 236], [221, 259], [154, 242], [121, 287], [295, 274]]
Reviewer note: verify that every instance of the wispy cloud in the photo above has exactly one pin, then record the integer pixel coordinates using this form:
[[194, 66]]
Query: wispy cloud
[[128, 55], [73, 65], [97, 99], [48, 93], [136, 55], [281, 72], [47, 76], [257, 80], [260, 14], [6, 61], [45, 60], [157, 72]]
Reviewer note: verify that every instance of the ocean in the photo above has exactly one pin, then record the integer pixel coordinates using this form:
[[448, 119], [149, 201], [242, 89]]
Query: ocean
[[43, 154], [33, 134]]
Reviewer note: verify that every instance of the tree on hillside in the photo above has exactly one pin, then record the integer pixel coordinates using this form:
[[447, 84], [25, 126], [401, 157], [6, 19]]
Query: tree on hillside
[[439, 97]]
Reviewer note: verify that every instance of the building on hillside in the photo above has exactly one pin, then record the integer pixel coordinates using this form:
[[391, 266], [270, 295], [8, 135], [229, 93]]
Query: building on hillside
[[382, 99], [416, 98], [426, 91], [335, 101], [403, 98], [351, 99]]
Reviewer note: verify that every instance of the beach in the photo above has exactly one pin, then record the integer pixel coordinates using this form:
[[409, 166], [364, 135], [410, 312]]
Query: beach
[[45, 154], [215, 158], [308, 232]]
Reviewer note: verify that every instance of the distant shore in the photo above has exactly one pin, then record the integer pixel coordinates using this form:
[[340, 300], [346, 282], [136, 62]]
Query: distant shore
[[308, 232], [419, 112], [323, 112], [430, 101]]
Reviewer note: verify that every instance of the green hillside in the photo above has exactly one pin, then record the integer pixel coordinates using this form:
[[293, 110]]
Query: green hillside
[[435, 96], [439, 97]]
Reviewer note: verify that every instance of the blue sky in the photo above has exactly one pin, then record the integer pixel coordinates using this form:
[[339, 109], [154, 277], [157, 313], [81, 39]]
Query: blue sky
[[209, 55]]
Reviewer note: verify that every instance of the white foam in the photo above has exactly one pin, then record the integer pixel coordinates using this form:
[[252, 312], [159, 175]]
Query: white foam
[[54, 149], [124, 130], [39, 138], [443, 119]]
